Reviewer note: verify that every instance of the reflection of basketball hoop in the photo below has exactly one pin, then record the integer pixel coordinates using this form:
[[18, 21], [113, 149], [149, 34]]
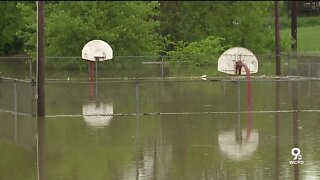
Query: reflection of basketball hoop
[[97, 114], [238, 149]]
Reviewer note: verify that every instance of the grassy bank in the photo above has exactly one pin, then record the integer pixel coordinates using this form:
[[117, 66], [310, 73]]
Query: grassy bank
[[308, 38], [285, 22]]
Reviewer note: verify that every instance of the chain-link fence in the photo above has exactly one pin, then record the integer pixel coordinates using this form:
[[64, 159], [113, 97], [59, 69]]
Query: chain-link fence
[[17, 96], [17, 67], [73, 68]]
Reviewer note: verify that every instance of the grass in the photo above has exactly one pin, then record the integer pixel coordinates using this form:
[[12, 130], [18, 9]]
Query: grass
[[308, 33], [308, 38], [285, 22]]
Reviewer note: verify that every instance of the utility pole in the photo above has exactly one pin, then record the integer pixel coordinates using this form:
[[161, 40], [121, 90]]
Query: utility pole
[[277, 37], [294, 7], [41, 64]]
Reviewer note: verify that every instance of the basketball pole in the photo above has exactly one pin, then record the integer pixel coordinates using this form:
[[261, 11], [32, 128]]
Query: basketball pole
[[91, 75], [96, 92], [41, 63], [239, 65]]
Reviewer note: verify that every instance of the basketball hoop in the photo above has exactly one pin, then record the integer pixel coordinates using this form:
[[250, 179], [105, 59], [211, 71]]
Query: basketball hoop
[[97, 50], [227, 62], [232, 61]]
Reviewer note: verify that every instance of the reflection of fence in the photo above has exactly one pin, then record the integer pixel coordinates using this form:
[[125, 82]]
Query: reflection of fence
[[17, 106], [17, 96], [17, 130]]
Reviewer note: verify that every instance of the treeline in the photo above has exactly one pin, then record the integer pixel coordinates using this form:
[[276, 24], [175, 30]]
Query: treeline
[[140, 27]]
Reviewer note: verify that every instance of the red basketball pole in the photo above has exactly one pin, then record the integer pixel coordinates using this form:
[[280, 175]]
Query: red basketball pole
[[239, 65]]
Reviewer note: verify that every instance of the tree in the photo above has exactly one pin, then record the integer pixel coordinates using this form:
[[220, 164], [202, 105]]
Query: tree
[[10, 23], [203, 52], [241, 23], [129, 27]]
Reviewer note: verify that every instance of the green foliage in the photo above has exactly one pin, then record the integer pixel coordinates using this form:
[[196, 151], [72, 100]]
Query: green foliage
[[202, 52], [134, 28], [129, 27], [10, 23], [285, 42], [28, 31], [241, 23]]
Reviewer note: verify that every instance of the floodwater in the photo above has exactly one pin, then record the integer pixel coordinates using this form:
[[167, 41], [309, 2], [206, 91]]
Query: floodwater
[[166, 130], [161, 130]]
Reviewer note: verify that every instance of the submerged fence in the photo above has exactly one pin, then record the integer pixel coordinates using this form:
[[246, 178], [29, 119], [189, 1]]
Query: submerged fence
[[152, 66], [18, 93]]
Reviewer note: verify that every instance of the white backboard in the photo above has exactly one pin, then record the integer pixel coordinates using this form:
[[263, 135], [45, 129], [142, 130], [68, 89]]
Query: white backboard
[[97, 48], [227, 61]]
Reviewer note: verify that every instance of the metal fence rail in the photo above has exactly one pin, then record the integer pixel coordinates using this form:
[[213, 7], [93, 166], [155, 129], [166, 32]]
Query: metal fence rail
[[151, 66]]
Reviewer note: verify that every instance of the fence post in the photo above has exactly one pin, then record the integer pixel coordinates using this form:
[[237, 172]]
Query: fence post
[[96, 95], [162, 67], [0, 89], [15, 95], [309, 68], [137, 98], [289, 64], [15, 99], [30, 68], [33, 99]]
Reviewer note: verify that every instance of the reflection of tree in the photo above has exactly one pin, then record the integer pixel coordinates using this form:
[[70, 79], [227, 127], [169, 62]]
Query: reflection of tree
[[152, 163]]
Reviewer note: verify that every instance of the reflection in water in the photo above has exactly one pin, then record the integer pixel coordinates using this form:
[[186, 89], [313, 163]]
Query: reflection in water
[[164, 146], [277, 131], [295, 124], [151, 163], [41, 150], [235, 148], [240, 144], [97, 114]]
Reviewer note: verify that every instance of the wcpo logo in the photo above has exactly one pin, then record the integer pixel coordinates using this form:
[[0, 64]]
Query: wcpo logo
[[297, 157]]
